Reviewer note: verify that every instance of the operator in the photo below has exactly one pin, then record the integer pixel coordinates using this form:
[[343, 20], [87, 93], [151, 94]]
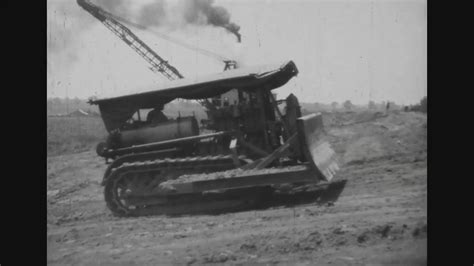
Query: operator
[[156, 115]]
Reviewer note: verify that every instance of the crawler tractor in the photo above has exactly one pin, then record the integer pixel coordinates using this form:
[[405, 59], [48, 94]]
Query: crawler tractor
[[252, 141], [250, 144]]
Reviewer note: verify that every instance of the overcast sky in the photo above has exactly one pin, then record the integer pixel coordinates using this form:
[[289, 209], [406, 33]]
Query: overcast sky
[[357, 50]]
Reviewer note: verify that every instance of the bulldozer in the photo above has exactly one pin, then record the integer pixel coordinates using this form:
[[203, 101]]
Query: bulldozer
[[249, 141], [249, 146]]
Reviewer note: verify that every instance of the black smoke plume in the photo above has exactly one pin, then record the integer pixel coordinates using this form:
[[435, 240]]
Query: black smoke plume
[[156, 13], [215, 15]]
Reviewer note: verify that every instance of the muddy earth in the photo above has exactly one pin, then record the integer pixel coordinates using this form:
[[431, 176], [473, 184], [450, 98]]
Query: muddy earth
[[379, 218]]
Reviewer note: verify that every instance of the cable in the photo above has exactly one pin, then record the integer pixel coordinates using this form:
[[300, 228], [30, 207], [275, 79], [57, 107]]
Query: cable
[[168, 38]]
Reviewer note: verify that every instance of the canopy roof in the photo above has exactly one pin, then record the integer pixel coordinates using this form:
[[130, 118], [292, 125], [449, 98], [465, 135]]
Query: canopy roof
[[118, 109]]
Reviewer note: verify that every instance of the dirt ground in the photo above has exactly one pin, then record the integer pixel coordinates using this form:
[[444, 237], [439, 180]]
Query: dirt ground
[[380, 217]]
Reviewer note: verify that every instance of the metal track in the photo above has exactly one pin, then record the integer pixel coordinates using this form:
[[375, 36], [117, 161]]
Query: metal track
[[133, 187]]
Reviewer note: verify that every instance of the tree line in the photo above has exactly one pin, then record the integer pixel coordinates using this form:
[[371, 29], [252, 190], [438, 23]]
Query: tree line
[[56, 106]]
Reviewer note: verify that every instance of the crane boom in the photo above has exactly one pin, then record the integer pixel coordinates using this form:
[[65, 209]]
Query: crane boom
[[158, 64]]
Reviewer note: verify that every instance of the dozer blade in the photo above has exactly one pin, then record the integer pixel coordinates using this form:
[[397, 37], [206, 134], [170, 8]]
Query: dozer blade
[[316, 150]]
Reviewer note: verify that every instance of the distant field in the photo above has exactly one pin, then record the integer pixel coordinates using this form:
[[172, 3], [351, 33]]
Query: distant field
[[73, 134]]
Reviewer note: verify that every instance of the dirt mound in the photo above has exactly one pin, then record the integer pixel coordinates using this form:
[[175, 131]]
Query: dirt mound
[[398, 134], [349, 118]]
